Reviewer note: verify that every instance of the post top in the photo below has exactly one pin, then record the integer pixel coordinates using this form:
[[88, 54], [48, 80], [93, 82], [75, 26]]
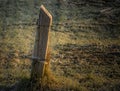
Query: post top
[[46, 11]]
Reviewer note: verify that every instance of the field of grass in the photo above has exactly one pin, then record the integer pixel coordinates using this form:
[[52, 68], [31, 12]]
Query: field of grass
[[80, 61], [84, 50]]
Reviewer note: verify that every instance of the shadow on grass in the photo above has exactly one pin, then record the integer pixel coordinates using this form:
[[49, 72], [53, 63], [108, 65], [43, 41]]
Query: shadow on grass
[[4, 88], [23, 85]]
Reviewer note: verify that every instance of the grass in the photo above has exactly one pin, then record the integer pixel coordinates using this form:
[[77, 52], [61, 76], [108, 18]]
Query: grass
[[83, 58], [80, 61]]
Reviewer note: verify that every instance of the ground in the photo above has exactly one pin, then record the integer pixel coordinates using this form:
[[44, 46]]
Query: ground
[[79, 62]]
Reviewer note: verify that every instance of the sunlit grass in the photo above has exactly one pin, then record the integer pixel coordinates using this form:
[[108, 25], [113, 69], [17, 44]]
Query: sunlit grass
[[64, 75]]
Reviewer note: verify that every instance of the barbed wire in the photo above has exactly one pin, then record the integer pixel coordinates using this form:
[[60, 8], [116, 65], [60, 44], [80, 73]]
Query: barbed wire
[[67, 26], [90, 2], [77, 24]]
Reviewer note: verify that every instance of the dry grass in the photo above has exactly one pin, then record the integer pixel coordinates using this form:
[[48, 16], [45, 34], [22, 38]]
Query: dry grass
[[78, 61]]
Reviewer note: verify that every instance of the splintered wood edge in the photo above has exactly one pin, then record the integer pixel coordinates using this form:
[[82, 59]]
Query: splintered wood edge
[[46, 11]]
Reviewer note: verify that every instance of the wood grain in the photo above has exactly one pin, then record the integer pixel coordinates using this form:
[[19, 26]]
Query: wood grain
[[41, 43]]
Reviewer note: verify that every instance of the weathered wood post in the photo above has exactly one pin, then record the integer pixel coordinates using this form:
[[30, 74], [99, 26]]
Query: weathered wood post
[[41, 45]]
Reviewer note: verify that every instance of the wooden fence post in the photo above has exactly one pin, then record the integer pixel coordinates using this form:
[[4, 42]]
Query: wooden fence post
[[41, 45]]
